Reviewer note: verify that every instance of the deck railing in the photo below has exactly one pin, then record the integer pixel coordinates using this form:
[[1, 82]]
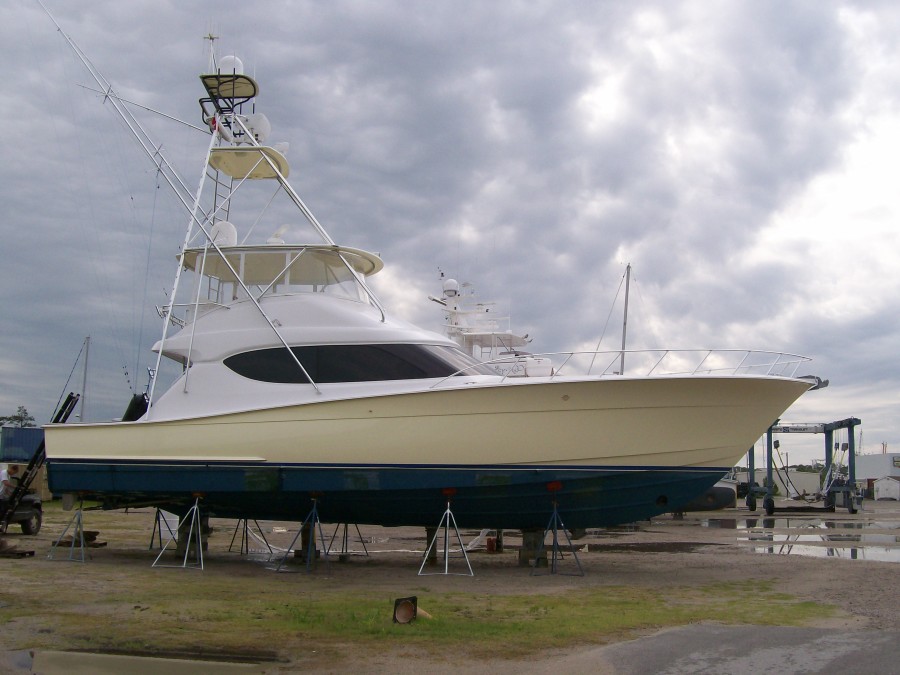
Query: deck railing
[[658, 362]]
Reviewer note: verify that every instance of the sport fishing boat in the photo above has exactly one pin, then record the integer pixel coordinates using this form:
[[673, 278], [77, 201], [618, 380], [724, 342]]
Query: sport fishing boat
[[297, 384], [480, 332]]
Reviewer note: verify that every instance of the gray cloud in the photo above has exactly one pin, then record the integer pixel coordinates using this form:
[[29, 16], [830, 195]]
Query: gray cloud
[[532, 148]]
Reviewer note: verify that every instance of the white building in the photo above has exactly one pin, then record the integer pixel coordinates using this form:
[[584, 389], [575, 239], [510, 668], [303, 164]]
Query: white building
[[870, 467]]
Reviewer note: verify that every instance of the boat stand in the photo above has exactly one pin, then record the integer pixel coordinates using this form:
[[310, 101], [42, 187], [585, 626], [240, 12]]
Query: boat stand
[[312, 522], [158, 524], [194, 537], [77, 542], [555, 525], [246, 533], [345, 542], [447, 521]]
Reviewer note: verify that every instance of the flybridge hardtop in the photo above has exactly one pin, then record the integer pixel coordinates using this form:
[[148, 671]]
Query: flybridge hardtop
[[297, 383]]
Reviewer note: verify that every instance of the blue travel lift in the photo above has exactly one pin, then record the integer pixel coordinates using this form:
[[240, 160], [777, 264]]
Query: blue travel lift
[[838, 486]]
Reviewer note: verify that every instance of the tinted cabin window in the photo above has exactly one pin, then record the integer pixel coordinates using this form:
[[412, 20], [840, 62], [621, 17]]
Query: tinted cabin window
[[354, 363]]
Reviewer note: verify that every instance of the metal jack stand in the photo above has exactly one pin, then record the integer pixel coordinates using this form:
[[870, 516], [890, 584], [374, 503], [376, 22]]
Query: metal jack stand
[[194, 537], [345, 542], [160, 522], [313, 522], [555, 525], [245, 536], [447, 521], [77, 536]]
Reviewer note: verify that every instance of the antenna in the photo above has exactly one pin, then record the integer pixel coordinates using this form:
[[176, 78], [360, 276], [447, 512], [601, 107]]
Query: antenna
[[212, 50]]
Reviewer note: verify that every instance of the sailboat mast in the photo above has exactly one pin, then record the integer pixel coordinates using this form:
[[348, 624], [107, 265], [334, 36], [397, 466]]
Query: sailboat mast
[[87, 350], [625, 319]]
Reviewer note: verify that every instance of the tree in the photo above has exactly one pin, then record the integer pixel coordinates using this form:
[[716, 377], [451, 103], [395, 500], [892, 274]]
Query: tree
[[21, 419]]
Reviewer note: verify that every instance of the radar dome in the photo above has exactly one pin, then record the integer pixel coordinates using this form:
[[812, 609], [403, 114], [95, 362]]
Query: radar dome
[[231, 64], [223, 233], [451, 288], [259, 126]]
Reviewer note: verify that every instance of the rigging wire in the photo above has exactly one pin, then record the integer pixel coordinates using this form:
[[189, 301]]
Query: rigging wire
[[140, 340], [611, 308], [650, 332], [85, 201], [124, 178], [68, 379]]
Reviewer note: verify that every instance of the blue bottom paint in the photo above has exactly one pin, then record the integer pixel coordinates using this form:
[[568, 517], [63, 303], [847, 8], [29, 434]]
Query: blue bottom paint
[[495, 496]]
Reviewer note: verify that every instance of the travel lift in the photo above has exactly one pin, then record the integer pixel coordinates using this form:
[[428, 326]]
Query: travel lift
[[834, 485]]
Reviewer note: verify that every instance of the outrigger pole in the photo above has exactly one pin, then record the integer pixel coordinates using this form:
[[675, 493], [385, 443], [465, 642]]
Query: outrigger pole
[[191, 202]]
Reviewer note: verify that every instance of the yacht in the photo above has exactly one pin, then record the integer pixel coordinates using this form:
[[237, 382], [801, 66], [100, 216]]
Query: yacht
[[484, 334], [296, 385]]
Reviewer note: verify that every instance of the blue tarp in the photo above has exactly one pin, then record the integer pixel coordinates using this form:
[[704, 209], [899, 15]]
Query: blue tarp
[[18, 444]]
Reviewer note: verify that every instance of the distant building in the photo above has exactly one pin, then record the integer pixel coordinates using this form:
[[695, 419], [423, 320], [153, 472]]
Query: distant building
[[870, 467]]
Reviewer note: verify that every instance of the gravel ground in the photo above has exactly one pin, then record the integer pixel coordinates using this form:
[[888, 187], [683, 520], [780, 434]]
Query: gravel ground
[[847, 560]]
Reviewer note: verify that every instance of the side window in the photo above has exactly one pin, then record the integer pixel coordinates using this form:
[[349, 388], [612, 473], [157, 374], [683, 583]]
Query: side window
[[353, 363], [268, 365]]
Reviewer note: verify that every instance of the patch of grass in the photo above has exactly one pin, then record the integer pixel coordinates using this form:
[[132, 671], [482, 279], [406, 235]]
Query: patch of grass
[[530, 623], [179, 613]]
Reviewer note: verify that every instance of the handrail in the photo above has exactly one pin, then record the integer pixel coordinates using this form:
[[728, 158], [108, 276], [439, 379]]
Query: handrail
[[709, 362]]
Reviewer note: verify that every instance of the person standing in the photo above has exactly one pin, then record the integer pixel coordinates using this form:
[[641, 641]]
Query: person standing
[[7, 486]]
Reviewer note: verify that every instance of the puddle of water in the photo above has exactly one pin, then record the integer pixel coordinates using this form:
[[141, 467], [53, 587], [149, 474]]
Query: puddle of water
[[824, 537], [67, 663], [787, 523], [878, 553], [883, 539]]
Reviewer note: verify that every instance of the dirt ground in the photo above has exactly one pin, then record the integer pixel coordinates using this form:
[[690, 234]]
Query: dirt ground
[[730, 546]]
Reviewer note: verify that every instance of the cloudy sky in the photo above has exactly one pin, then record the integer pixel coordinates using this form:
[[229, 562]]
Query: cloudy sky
[[742, 156]]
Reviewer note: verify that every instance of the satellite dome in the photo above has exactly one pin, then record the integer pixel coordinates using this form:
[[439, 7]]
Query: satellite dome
[[231, 64]]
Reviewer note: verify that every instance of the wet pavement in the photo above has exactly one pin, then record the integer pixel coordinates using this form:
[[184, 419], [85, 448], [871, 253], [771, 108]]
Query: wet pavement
[[712, 649]]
